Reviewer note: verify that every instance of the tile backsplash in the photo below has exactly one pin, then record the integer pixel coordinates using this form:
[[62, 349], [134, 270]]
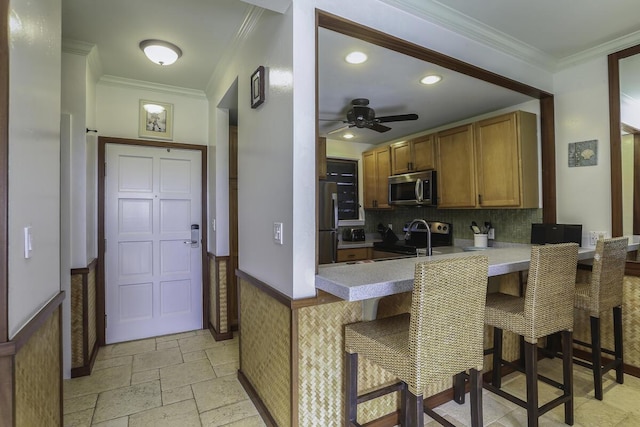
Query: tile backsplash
[[511, 225]]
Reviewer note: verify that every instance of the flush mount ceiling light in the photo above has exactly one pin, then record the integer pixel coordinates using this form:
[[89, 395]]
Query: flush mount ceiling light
[[348, 135], [430, 79], [160, 52], [356, 57]]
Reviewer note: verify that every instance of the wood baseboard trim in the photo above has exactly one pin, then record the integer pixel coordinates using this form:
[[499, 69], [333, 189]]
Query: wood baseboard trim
[[259, 404], [220, 336], [83, 371]]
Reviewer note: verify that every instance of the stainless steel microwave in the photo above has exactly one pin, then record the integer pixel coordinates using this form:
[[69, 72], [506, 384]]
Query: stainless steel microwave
[[416, 188]]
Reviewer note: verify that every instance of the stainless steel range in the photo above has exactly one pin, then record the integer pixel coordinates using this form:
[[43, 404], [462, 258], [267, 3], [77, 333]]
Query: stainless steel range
[[441, 235]]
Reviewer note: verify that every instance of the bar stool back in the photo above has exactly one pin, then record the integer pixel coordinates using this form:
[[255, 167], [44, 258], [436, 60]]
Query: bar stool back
[[604, 293], [546, 308], [441, 337]]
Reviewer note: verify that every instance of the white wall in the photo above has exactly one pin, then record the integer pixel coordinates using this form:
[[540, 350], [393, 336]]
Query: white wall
[[74, 103], [117, 105], [582, 114], [265, 152], [34, 153]]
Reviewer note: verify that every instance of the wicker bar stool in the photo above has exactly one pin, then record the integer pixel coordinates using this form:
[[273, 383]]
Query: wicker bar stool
[[545, 308], [440, 338], [604, 293]]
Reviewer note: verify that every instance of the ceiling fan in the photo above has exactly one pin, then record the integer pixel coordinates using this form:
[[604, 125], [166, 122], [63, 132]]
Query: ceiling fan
[[363, 116]]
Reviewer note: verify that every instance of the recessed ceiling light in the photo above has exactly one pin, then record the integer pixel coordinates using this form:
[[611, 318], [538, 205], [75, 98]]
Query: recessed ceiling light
[[348, 135], [160, 52], [430, 79], [356, 58]]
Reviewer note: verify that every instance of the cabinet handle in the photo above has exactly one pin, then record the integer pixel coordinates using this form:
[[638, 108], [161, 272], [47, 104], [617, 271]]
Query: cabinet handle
[[479, 199]]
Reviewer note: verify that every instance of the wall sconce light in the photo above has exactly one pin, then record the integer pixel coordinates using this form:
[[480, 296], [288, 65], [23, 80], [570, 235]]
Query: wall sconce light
[[160, 52]]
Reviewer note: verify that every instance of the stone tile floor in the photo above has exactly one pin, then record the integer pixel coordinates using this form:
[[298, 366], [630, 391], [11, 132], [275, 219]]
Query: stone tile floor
[[189, 379]]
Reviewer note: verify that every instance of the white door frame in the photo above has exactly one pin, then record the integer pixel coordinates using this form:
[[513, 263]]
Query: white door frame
[[100, 303]]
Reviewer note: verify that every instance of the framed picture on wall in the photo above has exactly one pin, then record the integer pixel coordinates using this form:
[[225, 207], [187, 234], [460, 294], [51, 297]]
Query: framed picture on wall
[[257, 87], [156, 120]]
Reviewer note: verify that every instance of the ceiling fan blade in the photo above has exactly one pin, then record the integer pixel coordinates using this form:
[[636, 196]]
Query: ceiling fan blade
[[397, 118], [378, 127], [340, 129]]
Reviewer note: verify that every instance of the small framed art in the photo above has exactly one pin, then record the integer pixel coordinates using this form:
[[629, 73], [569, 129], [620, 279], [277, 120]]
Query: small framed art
[[156, 120], [257, 87]]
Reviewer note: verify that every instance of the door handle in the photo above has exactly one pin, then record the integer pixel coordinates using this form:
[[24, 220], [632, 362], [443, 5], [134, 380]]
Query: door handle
[[195, 235]]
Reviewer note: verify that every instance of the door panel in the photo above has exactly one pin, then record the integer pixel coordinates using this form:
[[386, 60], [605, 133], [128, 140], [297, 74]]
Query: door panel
[[153, 272]]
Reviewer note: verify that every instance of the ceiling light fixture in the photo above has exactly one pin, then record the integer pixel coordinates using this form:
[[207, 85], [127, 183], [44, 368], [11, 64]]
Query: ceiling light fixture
[[160, 52], [430, 79], [356, 57], [348, 135]]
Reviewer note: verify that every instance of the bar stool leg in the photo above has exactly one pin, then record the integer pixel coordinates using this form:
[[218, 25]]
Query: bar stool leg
[[351, 389], [496, 375], [415, 410], [458, 388], [567, 374], [476, 397], [617, 337], [596, 356], [404, 406], [531, 367]]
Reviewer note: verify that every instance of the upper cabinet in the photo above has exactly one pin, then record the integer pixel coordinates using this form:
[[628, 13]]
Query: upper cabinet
[[456, 168], [489, 164], [376, 168], [413, 155]]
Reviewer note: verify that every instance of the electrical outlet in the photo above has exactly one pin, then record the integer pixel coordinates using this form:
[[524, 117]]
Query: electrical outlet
[[594, 236], [491, 234], [390, 226], [277, 232]]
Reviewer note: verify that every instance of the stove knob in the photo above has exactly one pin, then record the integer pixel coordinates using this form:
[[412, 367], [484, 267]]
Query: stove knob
[[444, 228]]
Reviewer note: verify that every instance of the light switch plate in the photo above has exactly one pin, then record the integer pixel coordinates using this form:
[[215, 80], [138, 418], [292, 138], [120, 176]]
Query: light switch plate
[[277, 232]]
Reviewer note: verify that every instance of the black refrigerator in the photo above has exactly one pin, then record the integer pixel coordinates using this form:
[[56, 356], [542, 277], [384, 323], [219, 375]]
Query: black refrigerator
[[328, 222]]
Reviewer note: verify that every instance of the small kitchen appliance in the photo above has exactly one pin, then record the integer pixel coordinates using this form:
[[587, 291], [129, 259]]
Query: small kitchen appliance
[[441, 235], [353, 235]]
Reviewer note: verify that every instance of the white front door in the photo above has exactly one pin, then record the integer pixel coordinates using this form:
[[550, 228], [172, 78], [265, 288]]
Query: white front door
[[153, 271]]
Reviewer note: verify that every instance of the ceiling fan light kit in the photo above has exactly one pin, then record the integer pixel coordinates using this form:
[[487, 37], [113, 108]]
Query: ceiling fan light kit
[[160, 52]]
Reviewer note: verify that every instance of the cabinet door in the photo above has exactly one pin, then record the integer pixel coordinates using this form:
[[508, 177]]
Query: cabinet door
[[369, 179], [401, 158], [383, 163], [321, 158], [497, 154], [423, 158], [456, 168]]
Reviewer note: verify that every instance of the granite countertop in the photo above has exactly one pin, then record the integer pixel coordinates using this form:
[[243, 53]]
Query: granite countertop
[[362, 280]]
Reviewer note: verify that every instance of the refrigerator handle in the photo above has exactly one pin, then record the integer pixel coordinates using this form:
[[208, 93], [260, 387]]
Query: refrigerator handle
[[334, 246], [334, 206]]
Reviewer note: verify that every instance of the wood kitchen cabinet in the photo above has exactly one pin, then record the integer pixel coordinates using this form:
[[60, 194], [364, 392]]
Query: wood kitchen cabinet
[[321, 157], [353, 254], [491, 163], [376, 168], [456, 167], [507, 161], [413, 155]]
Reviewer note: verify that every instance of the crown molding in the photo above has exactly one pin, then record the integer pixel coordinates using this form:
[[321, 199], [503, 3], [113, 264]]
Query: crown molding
[[473, 29], [251, 19], [77, 47], [600, 51], [110, 80]]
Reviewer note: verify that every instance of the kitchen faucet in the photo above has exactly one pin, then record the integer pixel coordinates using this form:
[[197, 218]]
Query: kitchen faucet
[[407, 235]]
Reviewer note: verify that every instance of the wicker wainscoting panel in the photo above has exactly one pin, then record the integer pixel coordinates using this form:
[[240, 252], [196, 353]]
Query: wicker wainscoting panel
[[37, 377], [222, 285], [77, 325], [265, 350], [321, 367], [630, 323], [213, 292], [92, 291]]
